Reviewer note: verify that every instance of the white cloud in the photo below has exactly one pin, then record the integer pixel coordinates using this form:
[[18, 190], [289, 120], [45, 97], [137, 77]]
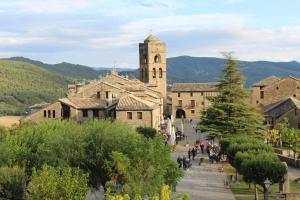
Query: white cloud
[[44, 6]]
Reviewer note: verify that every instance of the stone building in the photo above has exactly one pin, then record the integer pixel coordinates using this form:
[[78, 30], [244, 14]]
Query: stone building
[[190, 99], [273, 89], [277, 98], [287, 108], [136, 102]]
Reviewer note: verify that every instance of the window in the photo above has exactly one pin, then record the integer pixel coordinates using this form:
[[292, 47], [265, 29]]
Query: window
[[49, 113], [191, 94], [193, 103], [296, 111], [262, 94], [178, 94], [160, 73], [179, 102], [154, 73], [53, 113], [45, 113], [257, 102], [145, 60], [96, 113], [139, 115], [202, 93], [84, 113], [129, 115], [98, 95], [157, 58], [106, 94], [277, 88], [297, 87], [192, 111], [295, 95]]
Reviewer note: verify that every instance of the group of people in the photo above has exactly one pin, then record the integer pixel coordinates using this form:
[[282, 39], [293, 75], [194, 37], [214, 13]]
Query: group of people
[[183, 162], [212, 150]]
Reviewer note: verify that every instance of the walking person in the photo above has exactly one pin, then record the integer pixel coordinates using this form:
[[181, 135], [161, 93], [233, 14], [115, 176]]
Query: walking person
[[179, 161], [202, 146], [194, 153], [184, 162], [208, 147], [189, 153]]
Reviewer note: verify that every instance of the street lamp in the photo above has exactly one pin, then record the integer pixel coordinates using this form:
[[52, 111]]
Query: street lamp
[[267, 184]]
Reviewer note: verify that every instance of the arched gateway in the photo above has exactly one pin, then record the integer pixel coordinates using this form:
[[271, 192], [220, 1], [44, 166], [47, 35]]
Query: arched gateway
[[180, 113]]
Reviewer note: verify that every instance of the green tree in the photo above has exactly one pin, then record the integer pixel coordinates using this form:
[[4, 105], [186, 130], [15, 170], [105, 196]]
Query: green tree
[[229, 113], [272, 136], [89, 146], [282, 126], [260, 167], [147, 131], [12, 183], [57, 183]]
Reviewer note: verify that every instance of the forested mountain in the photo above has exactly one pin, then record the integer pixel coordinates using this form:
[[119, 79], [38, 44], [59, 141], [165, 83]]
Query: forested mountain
[[73, 71], [202, 69], [182, 69], [24, 84]]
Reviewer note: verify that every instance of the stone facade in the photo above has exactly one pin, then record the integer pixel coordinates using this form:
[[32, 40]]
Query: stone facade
[[277, 98], [273, 89], [52, 111], [138, 103], [288, 108], [190, 99]]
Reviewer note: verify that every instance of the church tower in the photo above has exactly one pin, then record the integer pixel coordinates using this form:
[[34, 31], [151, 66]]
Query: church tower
[[153, 64]]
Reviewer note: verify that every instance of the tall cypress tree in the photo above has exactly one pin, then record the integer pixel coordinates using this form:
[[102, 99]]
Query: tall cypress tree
[[229, 113]]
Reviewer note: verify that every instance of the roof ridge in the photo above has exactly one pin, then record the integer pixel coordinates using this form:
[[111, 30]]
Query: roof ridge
[[280, 103]]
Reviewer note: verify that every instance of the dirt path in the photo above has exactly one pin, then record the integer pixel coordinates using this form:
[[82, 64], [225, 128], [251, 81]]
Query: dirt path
[[8, 121]]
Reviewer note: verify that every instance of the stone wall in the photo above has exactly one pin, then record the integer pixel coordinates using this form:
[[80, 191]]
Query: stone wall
[[201, 103], [287, 87], [290, 161], [52, 111], [292, 196], [146, 121]]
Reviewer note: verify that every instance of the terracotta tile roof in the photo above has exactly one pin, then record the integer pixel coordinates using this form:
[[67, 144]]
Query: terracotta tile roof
[[131, 102], [84, 103], [282, 107], [194, 87], [267, 81]]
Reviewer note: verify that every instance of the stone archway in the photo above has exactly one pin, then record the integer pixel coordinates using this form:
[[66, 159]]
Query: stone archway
[[180, 113]]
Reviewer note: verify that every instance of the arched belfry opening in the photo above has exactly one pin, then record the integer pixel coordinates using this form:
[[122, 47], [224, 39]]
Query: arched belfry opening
[[154, 73], [157, 58]]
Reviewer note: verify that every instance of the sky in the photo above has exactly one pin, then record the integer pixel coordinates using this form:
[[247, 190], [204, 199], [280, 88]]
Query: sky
[[104, 33]]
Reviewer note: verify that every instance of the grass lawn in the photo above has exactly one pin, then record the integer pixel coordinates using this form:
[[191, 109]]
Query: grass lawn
[[242, 191]]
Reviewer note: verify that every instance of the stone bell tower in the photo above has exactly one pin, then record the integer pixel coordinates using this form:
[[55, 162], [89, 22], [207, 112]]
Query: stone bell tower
[[153, 64]]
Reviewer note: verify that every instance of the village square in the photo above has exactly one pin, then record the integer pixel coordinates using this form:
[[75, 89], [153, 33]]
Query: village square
[[177, 113]]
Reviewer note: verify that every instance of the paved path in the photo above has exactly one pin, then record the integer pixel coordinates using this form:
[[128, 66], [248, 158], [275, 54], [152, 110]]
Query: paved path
[[203, 182], [294, 173]]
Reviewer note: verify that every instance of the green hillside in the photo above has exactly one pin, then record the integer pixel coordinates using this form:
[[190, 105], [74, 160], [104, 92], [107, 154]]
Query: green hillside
[[206, 69], [24, 84], [202, 69], [69, 70]]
